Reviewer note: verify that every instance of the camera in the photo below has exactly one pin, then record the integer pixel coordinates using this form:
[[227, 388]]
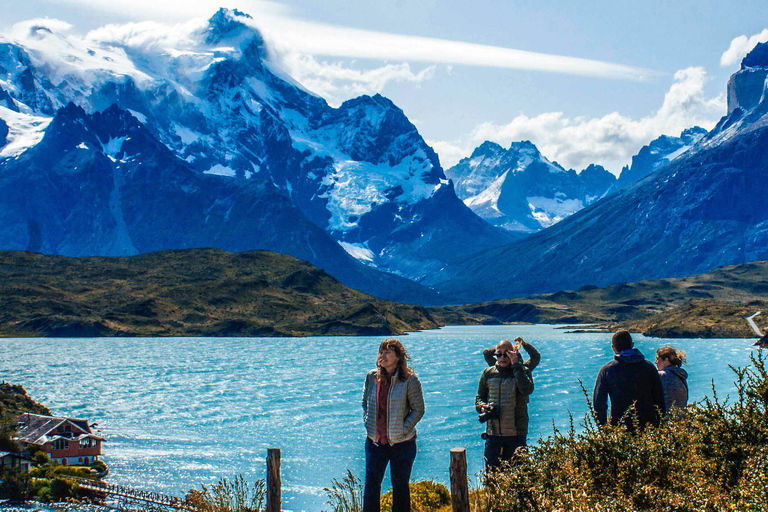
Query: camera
[[490, 414]]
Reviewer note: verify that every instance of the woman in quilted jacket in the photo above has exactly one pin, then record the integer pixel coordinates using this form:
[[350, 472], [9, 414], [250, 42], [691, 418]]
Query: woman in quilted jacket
[[392, 405]]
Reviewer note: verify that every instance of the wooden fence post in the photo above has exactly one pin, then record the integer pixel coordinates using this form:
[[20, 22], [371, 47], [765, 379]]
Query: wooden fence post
[[459, 482], [273, 480]]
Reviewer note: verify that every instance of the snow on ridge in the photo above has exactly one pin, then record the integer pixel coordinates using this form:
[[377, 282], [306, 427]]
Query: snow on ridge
[[548, 211], [221, 170], [677, 153], [138, 115], [358, 251], [24, 131], [488, 197], [113, 147]]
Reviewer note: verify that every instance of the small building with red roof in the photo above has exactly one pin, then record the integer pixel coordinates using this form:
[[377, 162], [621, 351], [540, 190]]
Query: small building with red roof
[[65, 440]]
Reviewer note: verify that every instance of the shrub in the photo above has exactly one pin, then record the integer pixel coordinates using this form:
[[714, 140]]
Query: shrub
[[62, 489], [426, 496], [713, 458], [15, 485], [229, 496], [41, 458], [99, 466], [345, 495]]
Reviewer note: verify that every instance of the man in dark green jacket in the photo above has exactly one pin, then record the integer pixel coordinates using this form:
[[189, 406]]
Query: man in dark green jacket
[[496, 401], [521, 408]]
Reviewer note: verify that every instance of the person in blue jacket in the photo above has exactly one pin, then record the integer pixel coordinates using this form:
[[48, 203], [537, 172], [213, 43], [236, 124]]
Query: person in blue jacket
[[629, 381]]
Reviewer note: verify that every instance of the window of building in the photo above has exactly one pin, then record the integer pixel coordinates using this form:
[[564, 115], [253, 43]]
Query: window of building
[[60, 444]]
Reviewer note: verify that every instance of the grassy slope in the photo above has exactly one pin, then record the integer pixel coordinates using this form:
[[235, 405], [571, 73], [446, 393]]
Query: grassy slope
[[197, 292], [713, 304], [14, 401]]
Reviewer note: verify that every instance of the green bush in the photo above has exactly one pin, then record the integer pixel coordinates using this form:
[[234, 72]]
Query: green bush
[[426, 496], [346, 495], [15, 485], [62, 489], [99, 466], [41, 458], [712, 459]]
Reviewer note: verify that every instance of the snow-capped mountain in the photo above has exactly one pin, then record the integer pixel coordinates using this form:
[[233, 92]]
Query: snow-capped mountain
[[213, 97], [658, 153], [101, 184], [521, 190], [702, 210]]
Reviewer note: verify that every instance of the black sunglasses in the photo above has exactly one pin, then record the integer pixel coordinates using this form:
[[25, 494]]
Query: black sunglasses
[[501, 354]]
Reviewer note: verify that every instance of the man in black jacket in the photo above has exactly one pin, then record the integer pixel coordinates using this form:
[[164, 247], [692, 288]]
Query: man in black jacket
[[628, 380]]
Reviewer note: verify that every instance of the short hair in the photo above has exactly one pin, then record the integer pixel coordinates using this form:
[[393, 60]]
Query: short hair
[[671, 354], [622, 340]]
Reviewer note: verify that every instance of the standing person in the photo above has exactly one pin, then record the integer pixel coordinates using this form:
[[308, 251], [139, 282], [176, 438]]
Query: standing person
[[392, 405], [496, 401], [628, 380], [673, 378], [521, 400]]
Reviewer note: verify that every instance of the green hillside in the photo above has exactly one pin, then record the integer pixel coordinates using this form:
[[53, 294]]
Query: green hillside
[[707, 305], [196, 292]]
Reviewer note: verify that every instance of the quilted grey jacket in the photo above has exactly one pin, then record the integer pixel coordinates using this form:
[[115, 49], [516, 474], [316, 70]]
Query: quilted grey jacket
[[406, 407], [502, 386]]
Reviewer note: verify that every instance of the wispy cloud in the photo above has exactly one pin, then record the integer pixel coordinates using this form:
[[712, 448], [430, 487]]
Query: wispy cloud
[[741, 46], [328, 40], [337, 82], [287, 33], [610, 140]]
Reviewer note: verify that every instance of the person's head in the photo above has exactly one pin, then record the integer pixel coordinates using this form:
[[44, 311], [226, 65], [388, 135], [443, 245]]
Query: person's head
[[393, 358], [622, 340], [669, 356], [506, 353]]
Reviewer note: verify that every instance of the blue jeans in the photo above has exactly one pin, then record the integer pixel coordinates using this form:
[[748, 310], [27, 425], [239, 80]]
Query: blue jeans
[[501, 448], [400, 458]]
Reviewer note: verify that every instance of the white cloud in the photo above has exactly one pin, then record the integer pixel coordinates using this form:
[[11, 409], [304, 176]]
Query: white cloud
[[336, 82], [329, 40], [610, 140], [149, 35], [287, 33], [178, 10], [741, 46]]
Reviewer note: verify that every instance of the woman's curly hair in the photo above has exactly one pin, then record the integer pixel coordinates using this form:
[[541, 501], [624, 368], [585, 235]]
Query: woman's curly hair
[[403, 370]]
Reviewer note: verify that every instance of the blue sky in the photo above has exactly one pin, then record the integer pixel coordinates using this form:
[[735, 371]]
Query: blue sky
[[605, 77]]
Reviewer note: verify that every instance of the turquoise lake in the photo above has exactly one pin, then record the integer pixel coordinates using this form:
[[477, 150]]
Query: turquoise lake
[[181, 412]]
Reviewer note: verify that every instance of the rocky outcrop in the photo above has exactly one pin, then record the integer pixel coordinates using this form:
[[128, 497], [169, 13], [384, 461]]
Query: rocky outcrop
[[746, 86], [657, 154]]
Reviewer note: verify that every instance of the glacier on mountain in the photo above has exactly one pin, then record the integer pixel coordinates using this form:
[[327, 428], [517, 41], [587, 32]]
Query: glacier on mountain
[[212, 95], [520, 190]]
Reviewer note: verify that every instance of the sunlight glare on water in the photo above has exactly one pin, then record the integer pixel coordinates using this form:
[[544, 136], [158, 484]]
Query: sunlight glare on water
[[181, 412]]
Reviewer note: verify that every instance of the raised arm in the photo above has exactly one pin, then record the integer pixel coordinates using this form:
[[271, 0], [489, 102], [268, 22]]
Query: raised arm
[[534, 355], [488, 356]]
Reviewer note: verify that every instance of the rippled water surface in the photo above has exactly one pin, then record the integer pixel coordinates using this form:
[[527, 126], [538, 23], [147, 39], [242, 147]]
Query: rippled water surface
[[180, 412]]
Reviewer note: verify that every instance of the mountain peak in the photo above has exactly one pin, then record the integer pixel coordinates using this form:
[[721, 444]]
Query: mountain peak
[[525, 147], [487, 148], [228, 24], [757, 58]]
